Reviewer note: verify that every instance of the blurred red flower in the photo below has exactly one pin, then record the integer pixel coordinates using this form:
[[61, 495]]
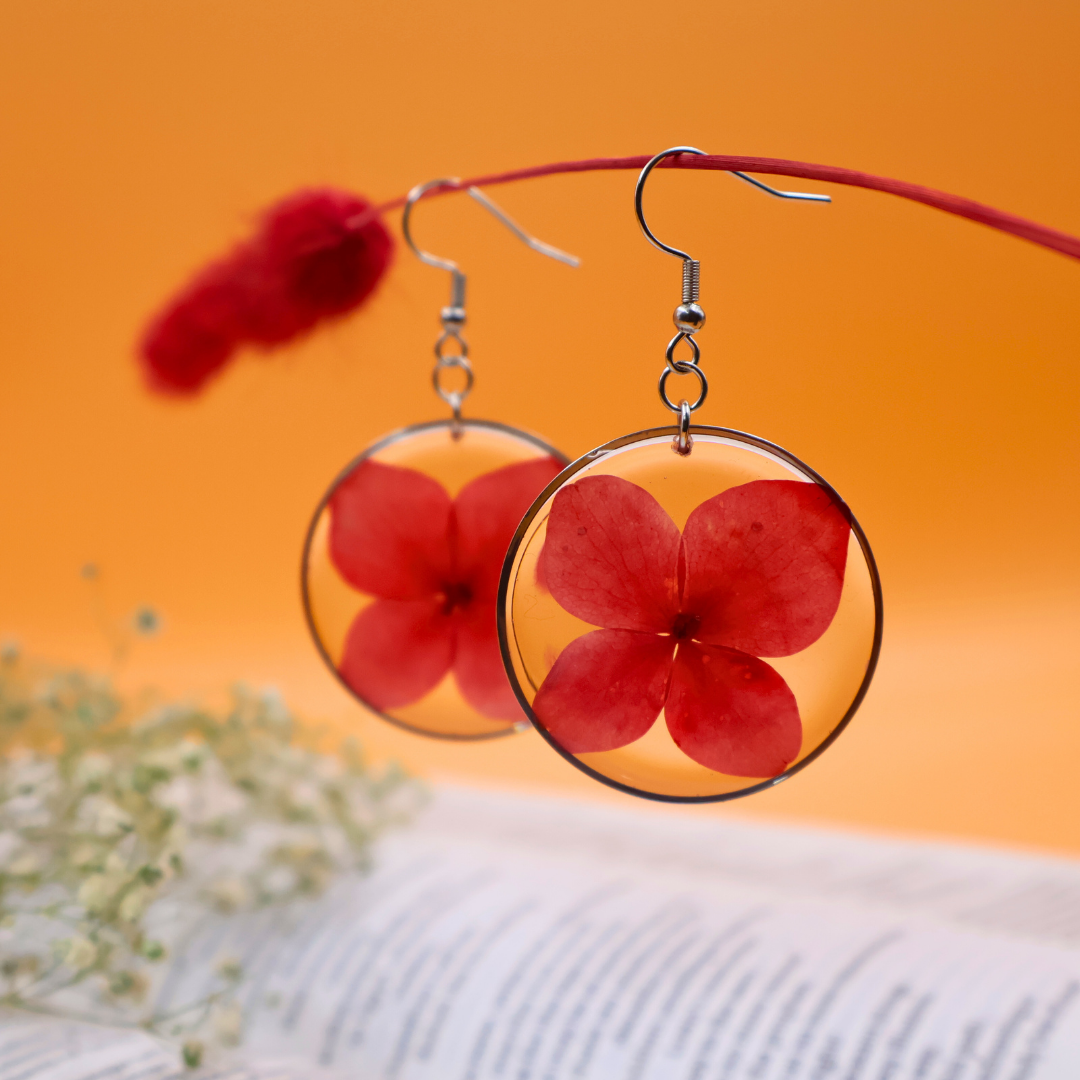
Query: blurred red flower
[[316, 255]]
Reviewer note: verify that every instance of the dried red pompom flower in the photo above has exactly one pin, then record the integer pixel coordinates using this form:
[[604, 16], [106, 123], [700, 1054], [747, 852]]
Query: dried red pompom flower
[[309, 261]]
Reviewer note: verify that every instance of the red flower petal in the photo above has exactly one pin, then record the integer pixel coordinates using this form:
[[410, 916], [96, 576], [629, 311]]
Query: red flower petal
[[611, 555], [478, 666], [487, 511], [605, 690], [541, 569], [765, 566], [397, 650], [732, 712], [389, 531]]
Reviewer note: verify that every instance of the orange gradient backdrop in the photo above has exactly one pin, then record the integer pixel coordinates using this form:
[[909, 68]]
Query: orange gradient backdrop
[[926, 366]]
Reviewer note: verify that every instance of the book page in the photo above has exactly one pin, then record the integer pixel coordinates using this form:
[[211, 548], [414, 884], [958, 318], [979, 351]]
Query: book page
[[509, 938], [37, 1048]]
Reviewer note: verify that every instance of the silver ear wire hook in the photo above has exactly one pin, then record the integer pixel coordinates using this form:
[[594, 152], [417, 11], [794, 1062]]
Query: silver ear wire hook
[[689, 316], [453, 315], [457, 281], [798, 196], [640, 190], [457, 288], [537, 245]]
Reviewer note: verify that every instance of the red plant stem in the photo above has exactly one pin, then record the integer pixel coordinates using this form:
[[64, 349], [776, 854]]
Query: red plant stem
[[1053, 239]]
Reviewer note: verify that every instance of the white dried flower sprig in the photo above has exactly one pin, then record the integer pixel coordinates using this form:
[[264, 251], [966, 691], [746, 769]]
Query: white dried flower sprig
[[104, 804]]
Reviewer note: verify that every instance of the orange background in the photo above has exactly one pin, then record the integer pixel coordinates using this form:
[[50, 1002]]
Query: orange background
[[926, 366]]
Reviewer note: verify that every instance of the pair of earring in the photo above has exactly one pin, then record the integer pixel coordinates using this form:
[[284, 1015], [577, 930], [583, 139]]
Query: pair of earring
[[694, 572]]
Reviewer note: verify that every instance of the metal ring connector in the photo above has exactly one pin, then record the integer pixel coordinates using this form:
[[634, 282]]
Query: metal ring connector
[[460, 360], [692, 370], [453, 398], [682, 367], [683, 443], [451, 335]]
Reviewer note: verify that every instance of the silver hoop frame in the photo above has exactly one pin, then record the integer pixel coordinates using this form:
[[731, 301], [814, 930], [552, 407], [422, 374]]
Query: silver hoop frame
[[754, 442], [513, 727]]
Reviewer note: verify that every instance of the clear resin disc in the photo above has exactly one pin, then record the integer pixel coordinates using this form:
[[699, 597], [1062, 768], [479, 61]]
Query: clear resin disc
[[690, 628], [401, 572]]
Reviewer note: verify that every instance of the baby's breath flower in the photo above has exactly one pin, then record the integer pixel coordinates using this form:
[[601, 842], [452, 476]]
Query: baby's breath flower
[[84, 854], [178, 836], [150, 874], [135, 902], [92, 769], [229, 968], [154, 951], [146, 621], [229, 893], [193, 1051], [110, 819], [229, 1023], [80, 953], [24, 864], [95, 892], [192, 758], [12, 967], [305, 794], [128, 984], [94, 833], [169, 759]]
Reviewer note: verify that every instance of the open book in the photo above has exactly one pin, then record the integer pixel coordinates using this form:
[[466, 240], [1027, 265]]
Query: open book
[[525, 938]]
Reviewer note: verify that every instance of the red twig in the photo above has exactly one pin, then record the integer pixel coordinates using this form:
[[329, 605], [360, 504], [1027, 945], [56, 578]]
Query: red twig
[[1053, 239]]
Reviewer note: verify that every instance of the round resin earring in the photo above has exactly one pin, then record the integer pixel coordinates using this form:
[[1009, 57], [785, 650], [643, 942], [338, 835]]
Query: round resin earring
[[401, 564], [689, 613]]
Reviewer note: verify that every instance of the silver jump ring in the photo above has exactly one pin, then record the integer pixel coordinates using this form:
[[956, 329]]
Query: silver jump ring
[[682, 367], [451, 335], [694, 370], [452, 396], [683, 442]]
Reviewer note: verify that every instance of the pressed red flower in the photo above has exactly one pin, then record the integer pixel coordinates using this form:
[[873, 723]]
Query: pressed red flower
[[686, 618], [433, 563]]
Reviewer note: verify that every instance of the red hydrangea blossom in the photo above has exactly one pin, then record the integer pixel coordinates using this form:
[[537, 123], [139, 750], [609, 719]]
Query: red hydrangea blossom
[[686, 618], [433, 563]]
